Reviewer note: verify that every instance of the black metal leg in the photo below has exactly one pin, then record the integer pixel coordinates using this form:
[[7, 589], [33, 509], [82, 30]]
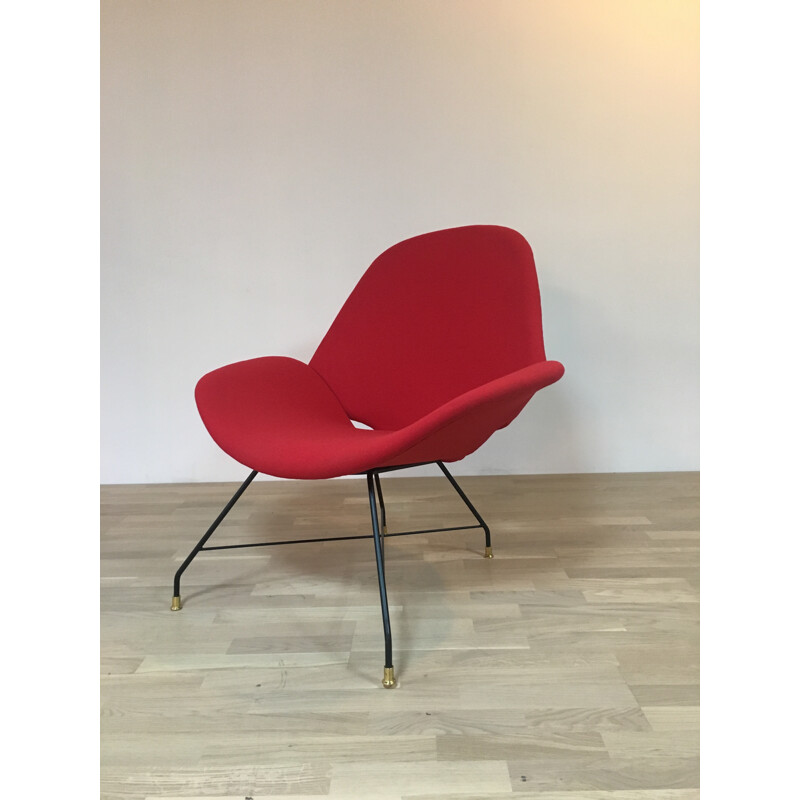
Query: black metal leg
[[488, 551], [176, 588], [383, 510], [388, 668]]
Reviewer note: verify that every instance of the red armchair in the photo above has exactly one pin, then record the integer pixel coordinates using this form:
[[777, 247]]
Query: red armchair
[[438, 346]]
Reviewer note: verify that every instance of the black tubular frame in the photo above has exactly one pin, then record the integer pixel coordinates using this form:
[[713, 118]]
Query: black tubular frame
[[379, 534], [176, 584]]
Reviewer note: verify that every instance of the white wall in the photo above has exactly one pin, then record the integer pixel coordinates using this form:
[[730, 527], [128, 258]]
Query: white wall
[[258, 154]]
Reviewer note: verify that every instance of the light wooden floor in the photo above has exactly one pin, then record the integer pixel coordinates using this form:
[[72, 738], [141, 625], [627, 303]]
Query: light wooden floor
[[566, 667]]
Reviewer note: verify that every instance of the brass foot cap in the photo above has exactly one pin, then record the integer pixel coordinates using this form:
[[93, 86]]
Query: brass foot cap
[[388, 678], [176, 603], [488, 553]]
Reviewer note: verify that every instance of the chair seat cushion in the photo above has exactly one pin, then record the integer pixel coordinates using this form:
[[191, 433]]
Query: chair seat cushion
[[276, 415]]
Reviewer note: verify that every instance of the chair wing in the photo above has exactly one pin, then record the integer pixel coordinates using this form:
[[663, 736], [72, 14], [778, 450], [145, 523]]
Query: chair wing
[[459, 427]]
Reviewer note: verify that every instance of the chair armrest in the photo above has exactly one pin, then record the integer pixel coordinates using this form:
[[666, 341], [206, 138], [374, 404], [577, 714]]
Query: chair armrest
[[486, 408]]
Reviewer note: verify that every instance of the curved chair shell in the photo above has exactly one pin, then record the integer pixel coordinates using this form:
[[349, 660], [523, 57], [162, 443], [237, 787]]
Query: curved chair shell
[[438, 346]]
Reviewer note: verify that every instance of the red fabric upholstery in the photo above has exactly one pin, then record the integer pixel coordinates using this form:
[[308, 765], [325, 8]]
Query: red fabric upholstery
[[433, 317], [438, 346]]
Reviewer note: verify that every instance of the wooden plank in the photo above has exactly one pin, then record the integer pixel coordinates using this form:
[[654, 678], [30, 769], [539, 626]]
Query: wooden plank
[[566, 666]]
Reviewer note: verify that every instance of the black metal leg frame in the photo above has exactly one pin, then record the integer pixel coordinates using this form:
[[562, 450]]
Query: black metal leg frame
[[379, 533]]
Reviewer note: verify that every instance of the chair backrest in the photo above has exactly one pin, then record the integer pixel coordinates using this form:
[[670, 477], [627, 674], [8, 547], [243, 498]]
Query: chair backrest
[[434, 316]]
